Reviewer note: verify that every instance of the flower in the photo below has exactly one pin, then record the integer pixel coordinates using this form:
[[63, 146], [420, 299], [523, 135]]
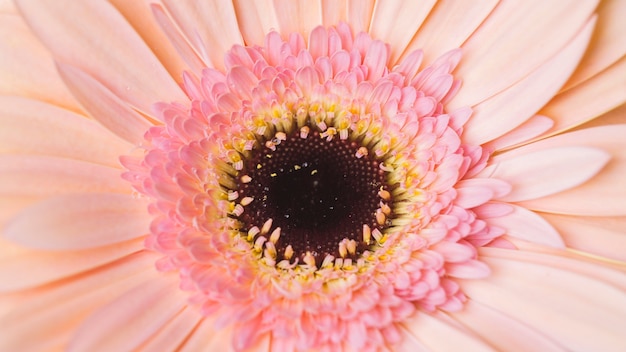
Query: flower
[[214, 176]]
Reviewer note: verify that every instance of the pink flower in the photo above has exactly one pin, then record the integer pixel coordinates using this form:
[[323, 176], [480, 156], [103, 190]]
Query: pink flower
[[300, 176]]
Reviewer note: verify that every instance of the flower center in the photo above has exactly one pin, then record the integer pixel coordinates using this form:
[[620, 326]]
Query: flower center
[[317, 194]]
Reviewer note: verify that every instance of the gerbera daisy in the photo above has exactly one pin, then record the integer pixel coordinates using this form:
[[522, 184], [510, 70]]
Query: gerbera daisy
[[312, 175]]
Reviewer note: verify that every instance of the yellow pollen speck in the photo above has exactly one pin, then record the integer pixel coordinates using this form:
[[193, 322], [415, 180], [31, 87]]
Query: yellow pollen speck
[[258, 166], [273, 174], [297, 167], [314, 172]]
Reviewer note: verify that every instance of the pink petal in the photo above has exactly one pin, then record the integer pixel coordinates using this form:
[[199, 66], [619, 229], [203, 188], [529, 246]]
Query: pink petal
[[458, 19], [476, 191], [577, 311], [395, 22], [604, 194], [43, 316], [552, 170], [35, 176], [28, 70], [529, 226], [438, 335], [33, 127], [498, 115], [602, 236], [104, 106], [508, 42], [107, 48], [584, 102], [210, 26], [79, 221], [141, 312], [24, 268], [607, 45]]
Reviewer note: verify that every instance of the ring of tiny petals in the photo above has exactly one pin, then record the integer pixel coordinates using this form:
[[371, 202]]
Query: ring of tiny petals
[[341, 82]]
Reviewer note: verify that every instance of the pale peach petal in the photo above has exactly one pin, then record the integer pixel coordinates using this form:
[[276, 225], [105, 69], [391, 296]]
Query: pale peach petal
[[79, 221], [584, 102], [439, 335], [210, 26], [607, 44], [544, 172], [298, 15], [395, 22], [334, 11], [183, 47], [104, 106], [498, 115], [360, 14], [502, 331], [516, 39], [29, 71], [139, 15], [7, 6], [11, 205], [605, 193], [602, 269], [40, 176], [527, 225], [579, 312], [33, 127], [22, 268], [141, 312], [174, 334], [205, 336], [616, 116], [256, 18], [94, 37], [601, 236], [457, 19], [48, 315], [528, 130]]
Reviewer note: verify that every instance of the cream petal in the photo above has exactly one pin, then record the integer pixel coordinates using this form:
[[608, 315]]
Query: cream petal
[[33, 127], [139, 15], [498, 114], [457, 19], [603, 236], [544, 172], [52, 312], [527, 225], [41, 176], [94, 37], [29, 70], [256, 19], [584, 102], [577, 311], [80, 221], [516, 38], [501, 331], [210, 26], [104, 106], [605, 193], [436, 334], [174, 334], [141, 312], [22, 268], [607, 45], [395, 22]]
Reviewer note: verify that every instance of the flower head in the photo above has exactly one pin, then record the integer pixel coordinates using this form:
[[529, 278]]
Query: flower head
[[320, 186]]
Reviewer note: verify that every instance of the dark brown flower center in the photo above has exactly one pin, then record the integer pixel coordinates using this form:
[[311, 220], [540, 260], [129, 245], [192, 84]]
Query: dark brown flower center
[[319, 192]]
